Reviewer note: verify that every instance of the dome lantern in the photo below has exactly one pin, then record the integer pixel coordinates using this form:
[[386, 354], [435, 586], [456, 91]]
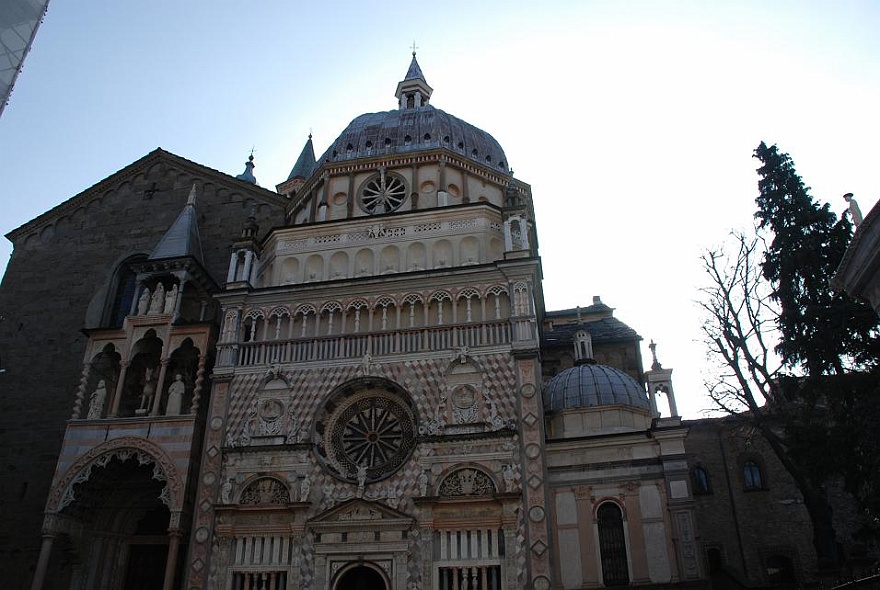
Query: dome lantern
[[413, 92]]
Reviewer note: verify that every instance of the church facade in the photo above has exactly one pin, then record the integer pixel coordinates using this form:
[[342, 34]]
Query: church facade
[[349, 382]]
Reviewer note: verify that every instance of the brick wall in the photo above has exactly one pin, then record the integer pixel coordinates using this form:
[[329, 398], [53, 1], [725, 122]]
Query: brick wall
[[54, 274]]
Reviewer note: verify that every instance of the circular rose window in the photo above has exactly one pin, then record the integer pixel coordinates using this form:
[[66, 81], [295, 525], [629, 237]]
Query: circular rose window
[[368, 426], [383, 193]]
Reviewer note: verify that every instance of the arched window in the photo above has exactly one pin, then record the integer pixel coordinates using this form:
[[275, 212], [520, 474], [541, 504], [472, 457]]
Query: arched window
[[700, 481], [125, 284], [752, 476], [612, 545]]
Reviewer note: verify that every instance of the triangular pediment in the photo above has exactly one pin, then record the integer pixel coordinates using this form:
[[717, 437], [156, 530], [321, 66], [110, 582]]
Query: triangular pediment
[[361, 513], [133, 174]]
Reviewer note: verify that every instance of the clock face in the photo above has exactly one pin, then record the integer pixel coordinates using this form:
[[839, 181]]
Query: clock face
[[382, 194]]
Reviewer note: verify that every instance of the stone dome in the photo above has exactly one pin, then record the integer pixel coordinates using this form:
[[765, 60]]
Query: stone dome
[[414, 129], [590, 385]]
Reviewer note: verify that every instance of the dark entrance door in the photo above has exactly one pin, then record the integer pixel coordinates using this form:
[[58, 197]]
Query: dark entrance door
[[146, 567], [361, 578]]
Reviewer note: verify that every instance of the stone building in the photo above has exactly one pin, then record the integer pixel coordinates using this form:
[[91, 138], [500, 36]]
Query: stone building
[[349, 382], [754, 528]]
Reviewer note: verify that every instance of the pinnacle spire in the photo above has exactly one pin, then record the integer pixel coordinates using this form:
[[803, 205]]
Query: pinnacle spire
[[305, 163], [414, 72], [182, 238]]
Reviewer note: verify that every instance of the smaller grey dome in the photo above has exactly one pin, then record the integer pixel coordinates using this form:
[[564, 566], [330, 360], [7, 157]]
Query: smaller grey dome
[[590, 385]]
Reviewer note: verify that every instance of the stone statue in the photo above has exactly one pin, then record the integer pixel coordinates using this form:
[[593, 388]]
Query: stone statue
[[423, 483], [96, 400], [175, 396], [855, 214], [148, 391], [292, 425], [304, 488], [362, 479], [494, 417], [367, 364], [226, 492], [247, 432], [144, 301], [170, 300], [157, 302], [291, 480], [507, 474], [436, 424]]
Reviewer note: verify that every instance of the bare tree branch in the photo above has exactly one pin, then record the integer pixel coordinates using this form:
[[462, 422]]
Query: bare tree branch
[[739, 319]]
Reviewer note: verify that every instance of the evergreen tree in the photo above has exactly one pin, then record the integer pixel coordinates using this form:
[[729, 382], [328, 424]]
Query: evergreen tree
[[824, 389], [823, 332], [830, 414]]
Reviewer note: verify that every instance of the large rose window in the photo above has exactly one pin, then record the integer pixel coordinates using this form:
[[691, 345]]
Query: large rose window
[[368, 426]]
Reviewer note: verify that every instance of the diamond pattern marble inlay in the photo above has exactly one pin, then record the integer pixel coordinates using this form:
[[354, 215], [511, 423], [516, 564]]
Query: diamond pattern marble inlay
[[534, 482]]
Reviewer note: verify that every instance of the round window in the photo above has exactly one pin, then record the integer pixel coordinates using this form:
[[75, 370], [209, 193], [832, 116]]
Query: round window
[[382, 193], [368, 426]]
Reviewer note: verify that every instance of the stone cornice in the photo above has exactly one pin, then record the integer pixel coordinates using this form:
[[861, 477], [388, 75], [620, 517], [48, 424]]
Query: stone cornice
[[95, 191]]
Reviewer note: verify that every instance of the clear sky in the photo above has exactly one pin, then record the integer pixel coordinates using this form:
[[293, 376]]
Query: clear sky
[[634, 122]]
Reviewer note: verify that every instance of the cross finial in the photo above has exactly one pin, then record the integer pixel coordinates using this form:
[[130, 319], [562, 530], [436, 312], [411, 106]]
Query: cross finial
[[414, 48], [253, 150]]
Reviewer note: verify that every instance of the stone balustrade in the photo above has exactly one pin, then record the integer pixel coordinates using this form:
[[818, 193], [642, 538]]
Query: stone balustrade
[[408, 341]]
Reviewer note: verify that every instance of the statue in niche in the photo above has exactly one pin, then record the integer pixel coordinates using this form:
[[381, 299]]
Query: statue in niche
[[247, 432], [292, 426], [304, 488], [507, 474], [291, 480], [423, 483], [144, 301], [148, 391], [170, 300], [494, 417], [157, 302], [437, 423], [96, 400], [175, 396], [226, 491]]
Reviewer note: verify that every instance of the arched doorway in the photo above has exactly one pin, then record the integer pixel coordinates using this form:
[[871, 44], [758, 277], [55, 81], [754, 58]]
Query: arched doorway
[[127, 523], [361, 577]]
